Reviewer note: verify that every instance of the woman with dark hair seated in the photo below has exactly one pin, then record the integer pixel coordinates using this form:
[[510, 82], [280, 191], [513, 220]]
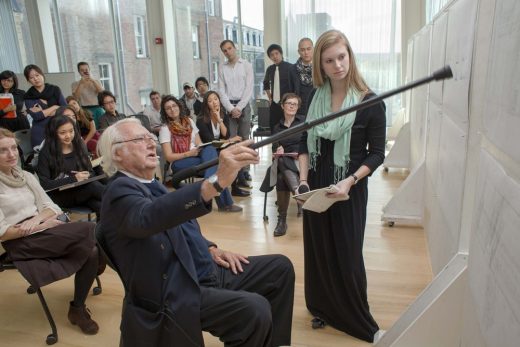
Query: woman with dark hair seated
[[180, 142], [9, 85], [285, 162], [43, 248], [41, 100], [86, 124], [213, 124], [64, 160]]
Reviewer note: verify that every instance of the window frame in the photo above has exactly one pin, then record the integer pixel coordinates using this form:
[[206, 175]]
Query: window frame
[[140, 37]]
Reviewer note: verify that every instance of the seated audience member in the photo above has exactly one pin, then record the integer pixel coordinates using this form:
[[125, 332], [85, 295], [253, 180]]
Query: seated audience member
[[212, 121], [86, 91], [107, 100], [41, 100], [153, 112], [213, 124], [86, 124], [64, 159], [190, 98], [285, 168], [9, 85], [202, 86], [180, 282], [181, 142], [43, 248]]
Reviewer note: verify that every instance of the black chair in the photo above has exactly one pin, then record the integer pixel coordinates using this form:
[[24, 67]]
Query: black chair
[[145, 121], [52, 338], [105, 251], [23, 137], [263, 129]]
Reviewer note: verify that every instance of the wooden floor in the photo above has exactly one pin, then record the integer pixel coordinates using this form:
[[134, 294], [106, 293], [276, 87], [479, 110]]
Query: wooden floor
[[396, 260]]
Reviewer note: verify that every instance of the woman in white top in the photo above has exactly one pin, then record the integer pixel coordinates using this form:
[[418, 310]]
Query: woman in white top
[[180, 142], [43, 248]]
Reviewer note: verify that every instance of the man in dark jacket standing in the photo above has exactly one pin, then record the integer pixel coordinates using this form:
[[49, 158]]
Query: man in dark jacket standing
[[177, 282], [280, 78]]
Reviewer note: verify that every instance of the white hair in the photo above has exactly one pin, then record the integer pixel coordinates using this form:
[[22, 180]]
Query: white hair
[[106, 146]]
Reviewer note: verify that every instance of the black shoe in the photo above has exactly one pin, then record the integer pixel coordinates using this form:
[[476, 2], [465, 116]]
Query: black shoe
[[318, 323], [239, 192], [244, 184], [247, 176], [281, 227]]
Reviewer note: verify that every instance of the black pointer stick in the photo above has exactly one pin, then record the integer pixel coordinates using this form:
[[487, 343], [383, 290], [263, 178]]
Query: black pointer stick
[[440, 74]]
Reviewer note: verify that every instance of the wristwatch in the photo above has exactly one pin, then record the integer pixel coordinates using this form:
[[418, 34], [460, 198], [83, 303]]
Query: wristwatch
[[213, 179], [356, 179]]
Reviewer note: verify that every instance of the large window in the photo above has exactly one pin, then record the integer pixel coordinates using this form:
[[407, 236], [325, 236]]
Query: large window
[[433, 7], [105, 76], [195, 41], [140, 38], [372, 27], [211, 7], [214, 73]]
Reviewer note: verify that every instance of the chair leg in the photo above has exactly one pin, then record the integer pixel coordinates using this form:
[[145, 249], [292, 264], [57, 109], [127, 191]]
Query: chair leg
[[52, 338], [97, 289], [266, 218]]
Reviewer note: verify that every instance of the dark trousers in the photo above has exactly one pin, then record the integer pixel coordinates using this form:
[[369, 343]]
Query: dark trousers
[[253, 308]]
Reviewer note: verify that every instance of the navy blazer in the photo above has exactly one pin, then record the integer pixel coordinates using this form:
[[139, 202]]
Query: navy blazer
[[143, 234]]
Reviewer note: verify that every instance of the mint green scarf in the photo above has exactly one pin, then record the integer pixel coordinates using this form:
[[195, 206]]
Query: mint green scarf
[[338, 130]]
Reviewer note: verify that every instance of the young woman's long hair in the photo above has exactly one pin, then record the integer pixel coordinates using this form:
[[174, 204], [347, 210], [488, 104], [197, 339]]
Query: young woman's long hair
[[326, 40], [164, 116], [53, 142], [83, 116], [4, 75], [205, 112]]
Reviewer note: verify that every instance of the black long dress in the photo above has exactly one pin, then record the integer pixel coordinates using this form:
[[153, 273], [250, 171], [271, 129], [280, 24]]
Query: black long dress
[[335, 277]]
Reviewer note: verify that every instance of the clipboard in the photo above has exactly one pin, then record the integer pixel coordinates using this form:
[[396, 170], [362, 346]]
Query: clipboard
[[77, 184]]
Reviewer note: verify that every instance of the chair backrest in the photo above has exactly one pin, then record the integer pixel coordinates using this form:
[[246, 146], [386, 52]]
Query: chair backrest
[[263, 117], [145, 121], [105, 250], [24, 141]]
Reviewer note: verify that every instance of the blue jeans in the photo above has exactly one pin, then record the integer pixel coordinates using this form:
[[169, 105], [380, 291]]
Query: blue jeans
[[206, 154]]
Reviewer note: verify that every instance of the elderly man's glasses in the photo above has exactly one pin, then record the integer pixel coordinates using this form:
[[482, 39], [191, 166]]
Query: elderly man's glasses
[[138, 140]]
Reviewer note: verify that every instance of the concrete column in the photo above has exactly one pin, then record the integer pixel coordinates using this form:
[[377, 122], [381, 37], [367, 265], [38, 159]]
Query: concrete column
[[273, 24], [163, 56], [42, 36], [413, 18]]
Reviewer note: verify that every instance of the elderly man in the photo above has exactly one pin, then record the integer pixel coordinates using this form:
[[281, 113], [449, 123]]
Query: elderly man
[[178, 283]]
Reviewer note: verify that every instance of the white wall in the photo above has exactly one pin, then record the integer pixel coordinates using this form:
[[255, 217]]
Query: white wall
[[467, 129]]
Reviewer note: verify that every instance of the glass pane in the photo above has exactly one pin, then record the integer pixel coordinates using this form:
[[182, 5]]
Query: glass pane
[[372, 27], [252, 18], [17, 51]]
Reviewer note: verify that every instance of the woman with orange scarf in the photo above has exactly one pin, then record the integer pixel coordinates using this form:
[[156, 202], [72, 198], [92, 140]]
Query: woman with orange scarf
[[180, 142]]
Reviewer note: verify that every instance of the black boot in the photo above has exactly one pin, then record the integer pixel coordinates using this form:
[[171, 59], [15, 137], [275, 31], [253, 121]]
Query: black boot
[[281, 226], [282, 198]]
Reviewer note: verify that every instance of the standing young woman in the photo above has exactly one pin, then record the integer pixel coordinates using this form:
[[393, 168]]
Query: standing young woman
[[9, 84], [179, 140], [63, 160], [43, 248], [86, 124], [41, 100], [343, 152]]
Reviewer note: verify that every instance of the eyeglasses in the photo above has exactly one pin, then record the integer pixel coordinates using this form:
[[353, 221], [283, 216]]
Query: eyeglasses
[[109, 102], [138, 140], [293, 104]]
